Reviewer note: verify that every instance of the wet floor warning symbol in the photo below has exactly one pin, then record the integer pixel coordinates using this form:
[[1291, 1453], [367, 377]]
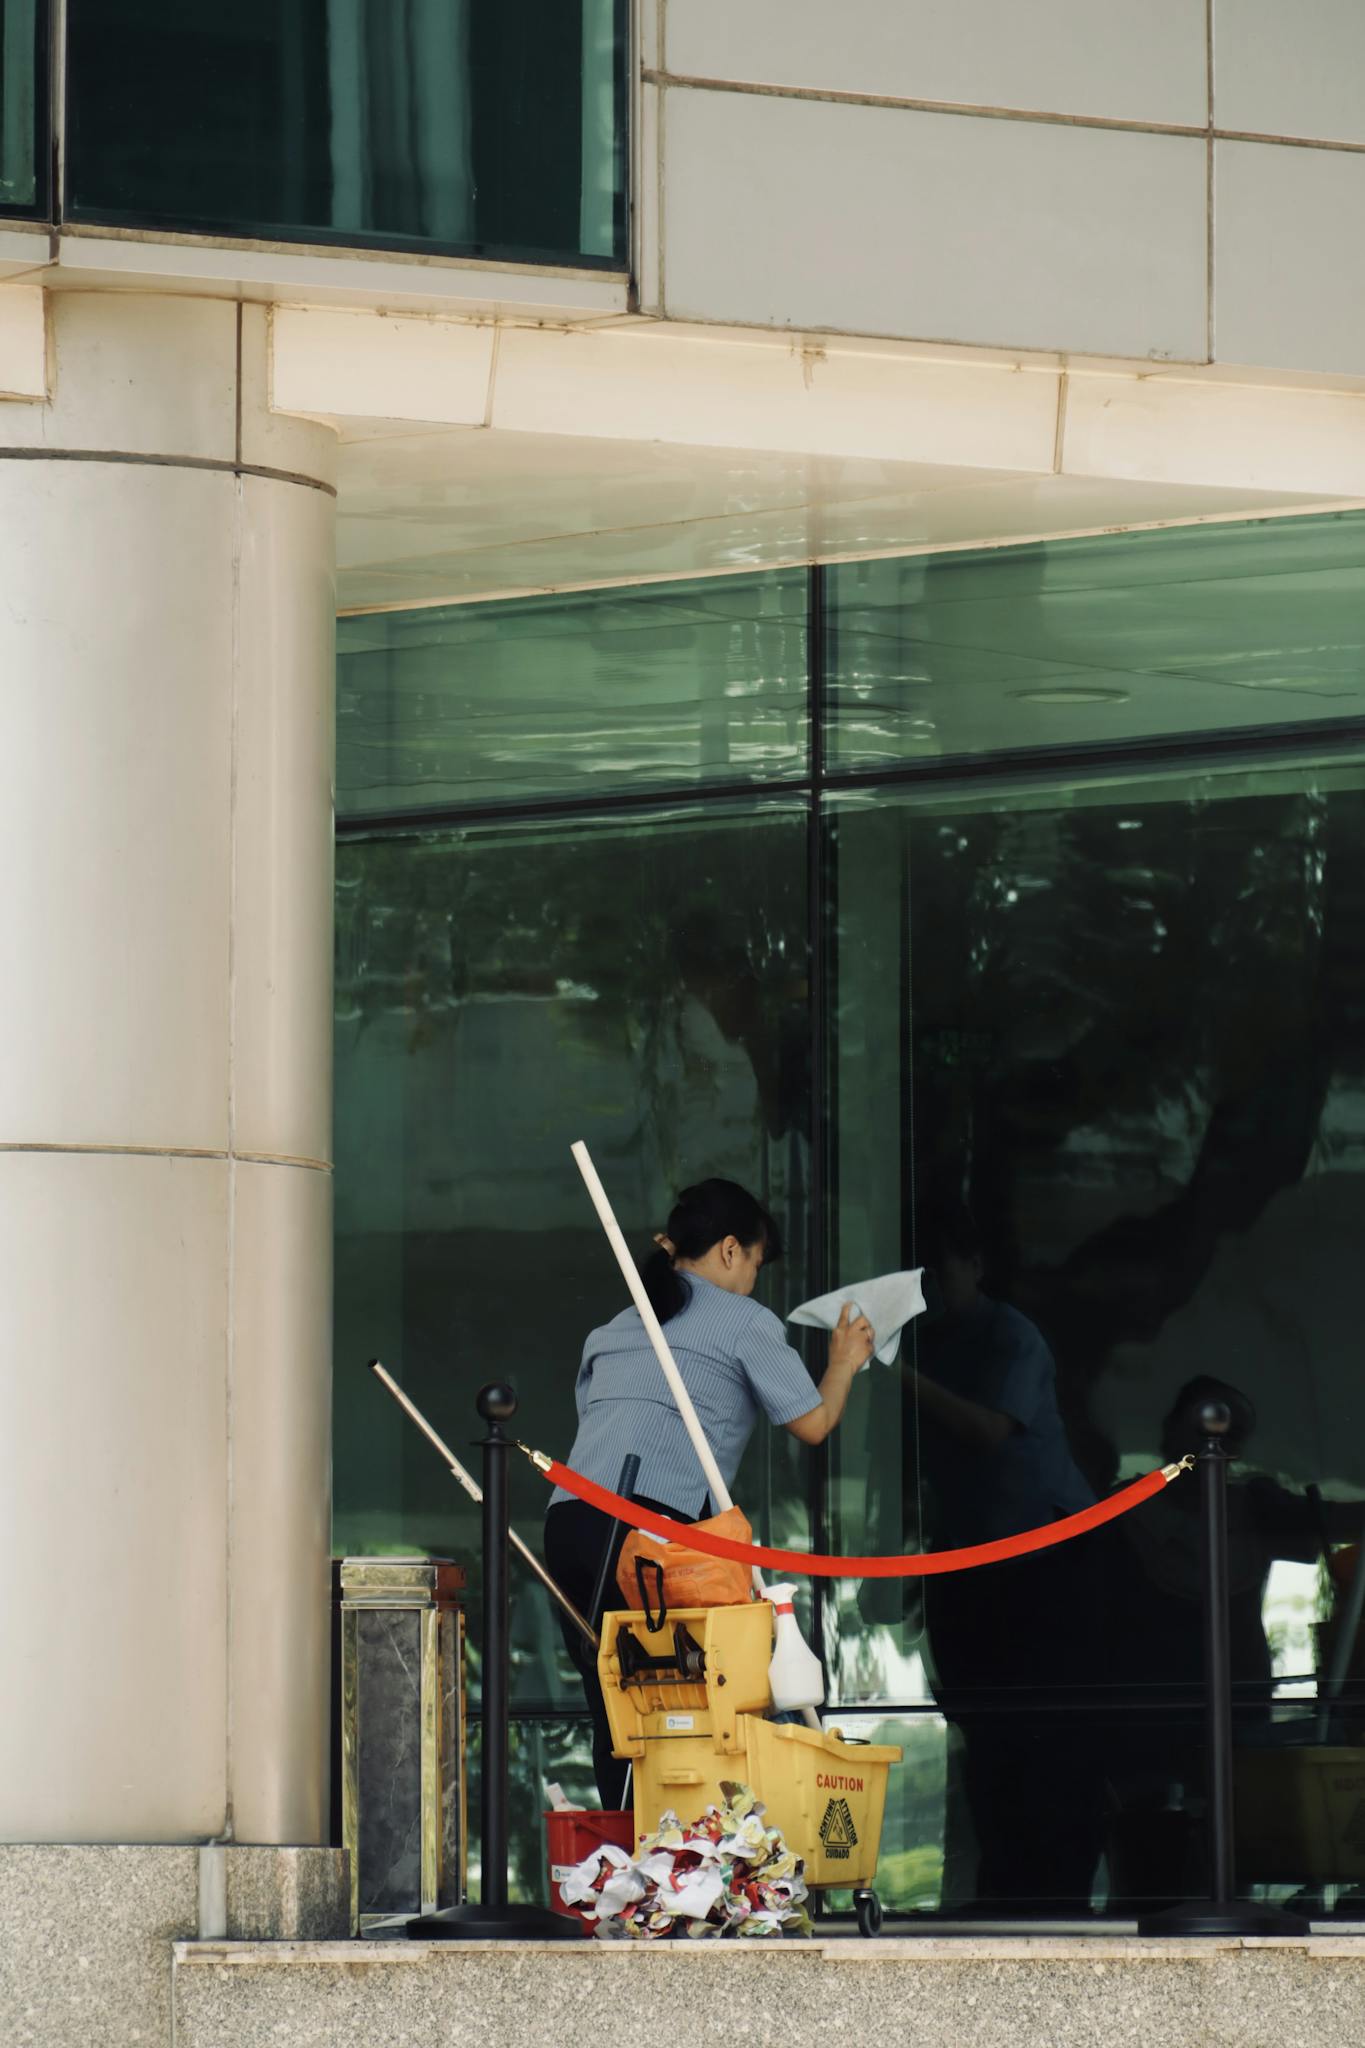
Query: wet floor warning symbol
[[837, 1831]]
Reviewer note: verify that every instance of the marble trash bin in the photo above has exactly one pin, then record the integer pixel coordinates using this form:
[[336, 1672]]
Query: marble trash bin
[[402, 1735]]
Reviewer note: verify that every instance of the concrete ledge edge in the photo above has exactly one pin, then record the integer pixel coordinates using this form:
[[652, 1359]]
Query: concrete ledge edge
[[1016, 1950]]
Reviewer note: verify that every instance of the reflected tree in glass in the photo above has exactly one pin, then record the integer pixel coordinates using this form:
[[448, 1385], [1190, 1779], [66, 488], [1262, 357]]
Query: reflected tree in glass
[[638, 982], [1127, 1019], [600, 692]]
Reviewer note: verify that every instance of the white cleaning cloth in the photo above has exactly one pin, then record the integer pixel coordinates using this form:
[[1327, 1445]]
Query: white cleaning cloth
[[889, 1302]]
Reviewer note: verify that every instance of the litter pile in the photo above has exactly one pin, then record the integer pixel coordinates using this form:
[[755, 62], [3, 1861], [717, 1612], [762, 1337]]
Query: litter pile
[[725, 1874]]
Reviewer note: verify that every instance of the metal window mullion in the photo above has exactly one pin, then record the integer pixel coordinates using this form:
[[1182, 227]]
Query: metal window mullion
[[817, 1278]]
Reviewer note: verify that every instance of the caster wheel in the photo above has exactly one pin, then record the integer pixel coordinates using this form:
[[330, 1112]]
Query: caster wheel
[[868, 1908]]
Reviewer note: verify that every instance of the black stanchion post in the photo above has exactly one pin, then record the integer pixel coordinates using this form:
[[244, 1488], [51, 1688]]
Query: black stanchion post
[[494, 1918], [1222, 1912]]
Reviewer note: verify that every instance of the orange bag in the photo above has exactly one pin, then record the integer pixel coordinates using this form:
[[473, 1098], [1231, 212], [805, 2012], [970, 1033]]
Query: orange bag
[[654, 1576]]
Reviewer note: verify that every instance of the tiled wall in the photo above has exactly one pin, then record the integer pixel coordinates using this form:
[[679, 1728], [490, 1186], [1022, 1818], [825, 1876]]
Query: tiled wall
[[1061, 174]]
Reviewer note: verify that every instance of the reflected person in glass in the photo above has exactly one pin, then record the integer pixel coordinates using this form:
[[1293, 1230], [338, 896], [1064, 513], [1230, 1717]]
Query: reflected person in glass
[[1158, 1634], [1008, 1641], [1161, 1556], [735, 1363]]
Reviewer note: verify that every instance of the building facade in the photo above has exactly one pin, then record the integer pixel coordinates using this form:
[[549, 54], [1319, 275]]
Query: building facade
[[782, 591]]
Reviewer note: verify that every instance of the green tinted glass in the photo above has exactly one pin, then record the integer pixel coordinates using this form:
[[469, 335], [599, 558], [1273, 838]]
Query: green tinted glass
[[547, 697], [1118, 1022], [434, 124], [1112, 1010], [915, 1870], [1097, 643], [500, 992], [23, 107], [541, 1750], [873, 1628]]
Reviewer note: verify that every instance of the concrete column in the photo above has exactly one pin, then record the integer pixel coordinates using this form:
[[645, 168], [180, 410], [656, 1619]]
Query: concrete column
[[166, 742]]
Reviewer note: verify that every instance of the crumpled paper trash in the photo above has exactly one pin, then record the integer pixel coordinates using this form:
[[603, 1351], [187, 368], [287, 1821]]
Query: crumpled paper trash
[[725, 1874]]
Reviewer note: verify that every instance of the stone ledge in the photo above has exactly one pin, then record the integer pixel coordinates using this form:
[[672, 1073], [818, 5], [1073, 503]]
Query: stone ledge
[[914, 1948], [927, 1992]]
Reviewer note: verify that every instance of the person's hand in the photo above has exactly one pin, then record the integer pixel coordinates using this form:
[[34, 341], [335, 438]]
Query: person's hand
[[851, 1341]]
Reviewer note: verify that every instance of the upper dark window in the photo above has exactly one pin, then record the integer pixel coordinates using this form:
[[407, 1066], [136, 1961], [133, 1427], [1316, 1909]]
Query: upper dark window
[[467, 127], [24, 152]]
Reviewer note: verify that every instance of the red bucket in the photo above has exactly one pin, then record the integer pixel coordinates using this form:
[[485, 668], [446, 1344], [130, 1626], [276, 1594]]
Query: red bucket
[[573, 1834]]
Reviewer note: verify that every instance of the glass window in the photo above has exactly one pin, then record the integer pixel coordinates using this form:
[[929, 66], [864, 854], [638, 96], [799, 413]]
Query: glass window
[[23, 108], [1092, 1050], [1107, 1078], [542, 1750], [638, 982], [609, 691], [435, 124], [1097, 644], [915, 1869]]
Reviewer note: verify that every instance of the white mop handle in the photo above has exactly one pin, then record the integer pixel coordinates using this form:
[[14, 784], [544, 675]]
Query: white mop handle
[[630, 1273]]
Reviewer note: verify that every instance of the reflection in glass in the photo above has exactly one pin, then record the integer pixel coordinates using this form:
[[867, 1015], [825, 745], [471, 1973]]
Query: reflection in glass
[[1114, 1011], [434, 124], [1128, 1022], [873, 1629], [553, 696], [542, 1750], [640, 983], [914, 1868], [23, 106], [994, 1454], [1097, 643]]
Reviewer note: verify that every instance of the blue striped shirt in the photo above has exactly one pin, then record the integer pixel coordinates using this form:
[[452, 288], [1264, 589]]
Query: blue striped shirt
[[736, 1364]]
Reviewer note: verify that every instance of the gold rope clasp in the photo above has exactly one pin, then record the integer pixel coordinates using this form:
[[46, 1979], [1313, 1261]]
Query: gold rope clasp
[[538, 1458], [1185, 1464]]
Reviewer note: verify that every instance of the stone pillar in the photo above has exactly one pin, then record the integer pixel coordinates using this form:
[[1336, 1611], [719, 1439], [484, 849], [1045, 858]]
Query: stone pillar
[[166, 743]]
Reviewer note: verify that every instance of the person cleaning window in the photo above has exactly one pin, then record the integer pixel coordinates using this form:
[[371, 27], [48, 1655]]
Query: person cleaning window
[[735, 1363]]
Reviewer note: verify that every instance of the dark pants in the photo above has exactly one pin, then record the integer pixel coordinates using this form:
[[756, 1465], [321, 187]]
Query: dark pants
[[575, 1537], [1016, 1656]]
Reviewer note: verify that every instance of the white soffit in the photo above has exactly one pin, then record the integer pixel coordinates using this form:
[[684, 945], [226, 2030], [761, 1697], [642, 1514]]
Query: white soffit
[[331, 365], [482, 460], [1253, 437], [441, 517], [648, 382]]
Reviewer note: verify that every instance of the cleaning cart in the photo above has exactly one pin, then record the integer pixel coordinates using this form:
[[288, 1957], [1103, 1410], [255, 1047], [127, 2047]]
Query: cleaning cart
[[687, 1701]]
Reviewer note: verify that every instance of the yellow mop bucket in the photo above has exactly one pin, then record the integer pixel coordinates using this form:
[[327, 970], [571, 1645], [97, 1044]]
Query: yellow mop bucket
[[828, 1796], [694, 1675], [685, 1703]]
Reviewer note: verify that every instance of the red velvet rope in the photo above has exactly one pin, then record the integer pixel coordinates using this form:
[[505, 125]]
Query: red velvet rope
[[807, 1564]]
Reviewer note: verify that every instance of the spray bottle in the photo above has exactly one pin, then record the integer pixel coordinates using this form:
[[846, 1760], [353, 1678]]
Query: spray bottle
[[794, 1674]]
